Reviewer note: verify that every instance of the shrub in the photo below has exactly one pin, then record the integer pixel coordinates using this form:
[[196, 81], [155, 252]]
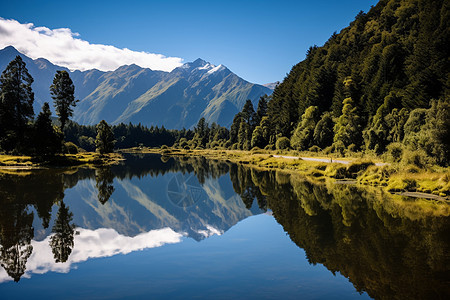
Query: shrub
[[339, 147], [394, 152], [328, 150], [283, 143], [182, 143], [70, 148], [214, 144], [357, 167], [315, 148], [418, 158], [269, 147]]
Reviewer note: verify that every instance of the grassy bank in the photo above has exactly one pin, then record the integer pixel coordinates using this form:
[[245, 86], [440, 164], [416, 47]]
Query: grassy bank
[[10, 163], [394, 177]]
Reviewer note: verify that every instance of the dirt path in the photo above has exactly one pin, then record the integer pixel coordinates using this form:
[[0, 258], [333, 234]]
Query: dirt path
[[325, 160]]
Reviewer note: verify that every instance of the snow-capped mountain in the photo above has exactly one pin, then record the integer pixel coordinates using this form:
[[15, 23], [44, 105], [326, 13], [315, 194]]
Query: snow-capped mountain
[[174, 99]]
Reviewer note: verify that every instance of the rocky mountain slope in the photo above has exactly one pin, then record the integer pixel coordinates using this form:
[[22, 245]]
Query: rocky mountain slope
[[174, 99]]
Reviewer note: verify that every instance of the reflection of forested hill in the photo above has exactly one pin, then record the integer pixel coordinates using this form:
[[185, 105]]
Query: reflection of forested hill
[[391, 250]]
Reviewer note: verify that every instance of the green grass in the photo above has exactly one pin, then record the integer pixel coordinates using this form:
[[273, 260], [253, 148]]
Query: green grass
[[10, 162], [394, 177]]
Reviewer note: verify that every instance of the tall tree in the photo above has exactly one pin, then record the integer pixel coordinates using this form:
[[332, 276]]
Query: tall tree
[[16, 105], [234, 129], [303, 135], [62, 91], [261, 111], [46, 140], [323, 133], [105, 138], [248, 114], [347, 130]]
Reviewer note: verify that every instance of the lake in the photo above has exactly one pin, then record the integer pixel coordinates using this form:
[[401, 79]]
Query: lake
[[179, 228]]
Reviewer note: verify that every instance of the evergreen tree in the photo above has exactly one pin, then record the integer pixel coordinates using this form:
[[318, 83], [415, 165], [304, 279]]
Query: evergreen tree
[[323, 133], [396, 121], [248, 113], [378, 135], [62, 91], [258, 138], [46, 140], [243, 140], [201, 135], [429, 130], [234, 129], [261, 111], [347, 129], [303, 136], [16, 105], [105, 138], [267, 131]]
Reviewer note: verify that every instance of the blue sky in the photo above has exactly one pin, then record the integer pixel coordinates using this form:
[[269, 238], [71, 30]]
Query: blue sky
[[258, 40]]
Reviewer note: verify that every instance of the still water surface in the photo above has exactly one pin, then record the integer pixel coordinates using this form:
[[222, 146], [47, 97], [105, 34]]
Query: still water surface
[[160, 228]]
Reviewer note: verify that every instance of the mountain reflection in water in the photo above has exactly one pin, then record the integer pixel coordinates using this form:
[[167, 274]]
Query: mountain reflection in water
[[386, 246]]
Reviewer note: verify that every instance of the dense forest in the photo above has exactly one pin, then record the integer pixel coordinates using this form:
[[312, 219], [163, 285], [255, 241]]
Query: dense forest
[[379, 85]]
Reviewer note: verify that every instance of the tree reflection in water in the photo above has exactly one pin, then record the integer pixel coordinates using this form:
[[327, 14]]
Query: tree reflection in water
[[15, 239], [390, 247], [62, 240], [104, 179], [18, 195]]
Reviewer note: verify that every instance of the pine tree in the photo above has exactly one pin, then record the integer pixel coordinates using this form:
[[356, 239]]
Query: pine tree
[[62, 91], [303, 135], [258, 138], [16, 105], [243, 140], [323, 133], [261, 111], [347, 129], [234, 129], [105, 138], [46, 140]]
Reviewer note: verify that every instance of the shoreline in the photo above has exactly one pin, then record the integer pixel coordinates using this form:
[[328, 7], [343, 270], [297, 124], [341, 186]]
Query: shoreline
[[432, 183], [27, 163]]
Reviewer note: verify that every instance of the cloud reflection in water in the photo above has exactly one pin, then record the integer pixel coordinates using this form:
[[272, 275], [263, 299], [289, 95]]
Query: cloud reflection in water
[[97, 243]]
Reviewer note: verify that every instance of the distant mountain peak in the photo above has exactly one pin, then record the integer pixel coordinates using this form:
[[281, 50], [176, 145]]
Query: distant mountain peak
[[201, 66], [271, 85], [196, 64], [139, 95], [128, 67], [9, 51], [199, 61]]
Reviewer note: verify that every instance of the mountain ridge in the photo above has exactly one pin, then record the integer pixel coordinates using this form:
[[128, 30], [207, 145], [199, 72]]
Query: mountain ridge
[[176, 99]]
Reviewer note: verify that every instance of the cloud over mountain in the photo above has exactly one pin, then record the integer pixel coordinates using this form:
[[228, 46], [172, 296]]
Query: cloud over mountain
[[63, 47]]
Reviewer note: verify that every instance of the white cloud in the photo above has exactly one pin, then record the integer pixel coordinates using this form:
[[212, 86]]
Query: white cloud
[[89, 244], [61, 46]]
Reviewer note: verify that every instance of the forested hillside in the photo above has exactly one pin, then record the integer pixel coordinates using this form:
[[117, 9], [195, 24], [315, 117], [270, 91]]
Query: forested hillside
[[382, 80]]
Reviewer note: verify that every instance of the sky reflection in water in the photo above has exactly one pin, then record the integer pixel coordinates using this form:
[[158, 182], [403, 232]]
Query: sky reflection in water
[[159, 228]]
